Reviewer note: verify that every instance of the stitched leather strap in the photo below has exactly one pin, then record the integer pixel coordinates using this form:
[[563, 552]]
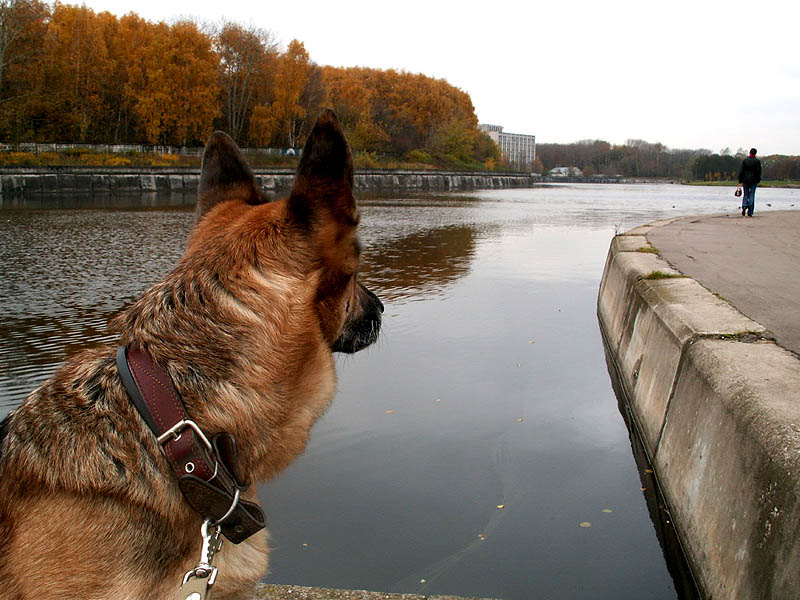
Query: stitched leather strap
[[207, 470]]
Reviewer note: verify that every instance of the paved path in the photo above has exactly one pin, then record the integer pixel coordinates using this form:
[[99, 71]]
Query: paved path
[[754, 263]]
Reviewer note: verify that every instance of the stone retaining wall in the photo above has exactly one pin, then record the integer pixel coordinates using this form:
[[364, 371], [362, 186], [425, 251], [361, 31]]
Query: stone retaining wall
[[717, 404], [37, 181]]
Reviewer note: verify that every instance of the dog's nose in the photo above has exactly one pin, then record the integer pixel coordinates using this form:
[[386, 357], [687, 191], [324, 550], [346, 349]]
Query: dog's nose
[[376, 300], [373, 298]]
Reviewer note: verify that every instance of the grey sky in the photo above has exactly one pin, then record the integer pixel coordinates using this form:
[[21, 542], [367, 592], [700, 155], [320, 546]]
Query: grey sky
[[689, 74]]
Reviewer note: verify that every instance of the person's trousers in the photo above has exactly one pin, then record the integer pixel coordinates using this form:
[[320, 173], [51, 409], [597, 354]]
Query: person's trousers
[[749, 197]]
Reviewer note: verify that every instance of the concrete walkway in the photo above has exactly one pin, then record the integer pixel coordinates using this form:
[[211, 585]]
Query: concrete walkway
[[753, 263]]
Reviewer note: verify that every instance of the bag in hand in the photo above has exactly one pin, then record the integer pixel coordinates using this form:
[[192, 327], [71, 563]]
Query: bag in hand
[[738, 192]]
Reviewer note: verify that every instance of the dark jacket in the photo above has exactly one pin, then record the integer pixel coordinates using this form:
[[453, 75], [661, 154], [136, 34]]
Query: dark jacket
[[750, 172]]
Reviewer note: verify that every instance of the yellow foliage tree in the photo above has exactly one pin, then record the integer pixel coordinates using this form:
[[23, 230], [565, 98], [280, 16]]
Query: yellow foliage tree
[[76, 67], [282, 119]]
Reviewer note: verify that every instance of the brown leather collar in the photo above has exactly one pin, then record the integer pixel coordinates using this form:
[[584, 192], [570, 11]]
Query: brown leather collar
[[207, 469]]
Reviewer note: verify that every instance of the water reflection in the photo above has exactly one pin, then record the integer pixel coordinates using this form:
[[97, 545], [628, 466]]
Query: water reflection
[[97, 200], [419, 265], [65, 273]]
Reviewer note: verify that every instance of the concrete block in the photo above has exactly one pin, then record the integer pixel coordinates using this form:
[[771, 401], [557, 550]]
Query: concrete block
[[50, 182], [83, 182], [147, 183], [728, 463], [629, 243], [101, 183], [31, 183], [669, 313], [128, 182], [622, 271]]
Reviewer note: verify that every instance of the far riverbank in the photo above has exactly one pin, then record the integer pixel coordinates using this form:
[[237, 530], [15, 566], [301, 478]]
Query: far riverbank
[[31, 181]]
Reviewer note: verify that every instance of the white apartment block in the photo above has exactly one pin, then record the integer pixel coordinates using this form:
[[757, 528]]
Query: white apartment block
[[517, 148]]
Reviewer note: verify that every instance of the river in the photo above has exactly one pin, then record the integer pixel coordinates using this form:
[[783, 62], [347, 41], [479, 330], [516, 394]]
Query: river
[[478, 448]]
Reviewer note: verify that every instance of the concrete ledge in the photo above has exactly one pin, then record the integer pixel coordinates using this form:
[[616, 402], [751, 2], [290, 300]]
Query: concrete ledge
[[293, 592], [34, 180], [718, 407]]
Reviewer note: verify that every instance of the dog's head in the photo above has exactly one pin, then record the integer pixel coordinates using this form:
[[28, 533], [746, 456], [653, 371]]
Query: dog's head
[[313, 231]]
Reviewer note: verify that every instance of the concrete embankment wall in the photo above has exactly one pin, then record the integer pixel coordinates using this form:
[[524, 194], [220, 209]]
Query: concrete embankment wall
[[717, 404], [25, 181]]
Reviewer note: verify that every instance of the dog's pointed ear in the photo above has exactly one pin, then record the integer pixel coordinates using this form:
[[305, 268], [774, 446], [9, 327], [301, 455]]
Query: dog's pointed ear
[[224, 175], [324, 179]]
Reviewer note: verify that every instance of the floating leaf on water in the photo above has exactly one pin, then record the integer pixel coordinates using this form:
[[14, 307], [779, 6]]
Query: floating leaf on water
[[520, 420], [607, 510], [422, 581], [531, 342], [648, 471], [438, 400], [388, 412], [481, 537], [586, 524], [501, 506]]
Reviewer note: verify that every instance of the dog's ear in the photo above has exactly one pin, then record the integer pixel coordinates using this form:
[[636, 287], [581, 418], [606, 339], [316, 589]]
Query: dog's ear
[[224, 175], [323, 185]]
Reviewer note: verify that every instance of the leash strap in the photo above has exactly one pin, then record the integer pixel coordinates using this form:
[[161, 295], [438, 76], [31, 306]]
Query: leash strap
[[207, 470]]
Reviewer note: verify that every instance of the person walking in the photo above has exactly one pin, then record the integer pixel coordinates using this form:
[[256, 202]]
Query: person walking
[[749, 178]]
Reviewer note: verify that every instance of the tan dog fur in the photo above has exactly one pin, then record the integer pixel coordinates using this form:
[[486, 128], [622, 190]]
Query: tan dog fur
[[245, 325]]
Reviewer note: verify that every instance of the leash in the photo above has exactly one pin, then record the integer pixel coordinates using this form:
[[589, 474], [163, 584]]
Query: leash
[[207, 471]]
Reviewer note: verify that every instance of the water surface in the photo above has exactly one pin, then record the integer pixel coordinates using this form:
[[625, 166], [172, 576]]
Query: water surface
[[487, 389]]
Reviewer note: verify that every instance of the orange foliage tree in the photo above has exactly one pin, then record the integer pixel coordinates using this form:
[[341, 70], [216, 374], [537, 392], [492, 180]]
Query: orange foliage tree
[[75, 69], [68, 74], [281, 119], [23, 26]]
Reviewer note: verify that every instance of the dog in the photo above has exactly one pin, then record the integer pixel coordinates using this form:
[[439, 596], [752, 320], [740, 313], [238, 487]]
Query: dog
[[244, 327]]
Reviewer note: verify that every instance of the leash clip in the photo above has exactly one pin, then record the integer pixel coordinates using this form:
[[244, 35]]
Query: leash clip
[[212, 543]]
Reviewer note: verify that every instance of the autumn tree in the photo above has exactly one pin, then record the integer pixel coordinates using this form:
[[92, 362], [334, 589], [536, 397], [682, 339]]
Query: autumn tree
[[350, 94], [23, 26], [281, 120], [19, 22], [75, 70], [246, 66], [172, 82]]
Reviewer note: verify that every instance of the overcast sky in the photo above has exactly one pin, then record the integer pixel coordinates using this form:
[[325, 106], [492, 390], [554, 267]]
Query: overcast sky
[[689, 74]]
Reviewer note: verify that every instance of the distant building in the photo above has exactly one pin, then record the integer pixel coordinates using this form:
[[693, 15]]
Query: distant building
[[517, 148], [565, 172]]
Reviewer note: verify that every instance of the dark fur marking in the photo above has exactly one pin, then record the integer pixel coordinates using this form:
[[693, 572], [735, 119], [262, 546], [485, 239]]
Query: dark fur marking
[[4, 432]]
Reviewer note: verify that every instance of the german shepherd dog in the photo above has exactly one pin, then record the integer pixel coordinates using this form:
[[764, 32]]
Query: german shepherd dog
[[245, 326]]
